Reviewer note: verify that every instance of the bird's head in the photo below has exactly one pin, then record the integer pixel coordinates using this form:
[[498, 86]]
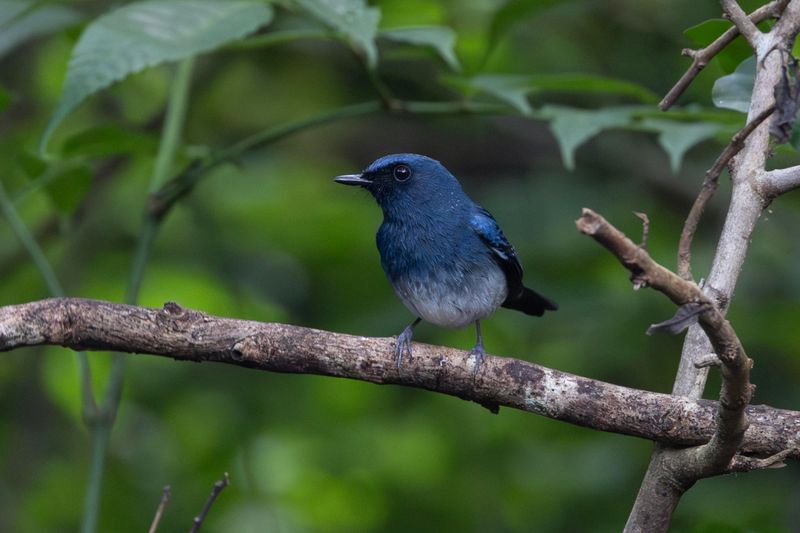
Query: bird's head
[[400, 180]]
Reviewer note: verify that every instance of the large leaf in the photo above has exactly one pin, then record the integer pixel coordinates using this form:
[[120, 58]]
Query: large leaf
[[65, 183], [572, 127], [68, 187], [587, 83], [735, 90], [707, 32], [677, 137], [353, 19], [441, 38], [510, 88], [23, 20], [514, 89], [512, 12], [144, 34], [108, 139]]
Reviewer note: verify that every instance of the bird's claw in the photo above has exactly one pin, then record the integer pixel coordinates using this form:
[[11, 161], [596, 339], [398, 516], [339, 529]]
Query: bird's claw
[[402, 346], [478, 353]]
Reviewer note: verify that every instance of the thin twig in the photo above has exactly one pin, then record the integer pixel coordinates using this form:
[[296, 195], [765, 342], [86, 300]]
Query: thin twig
[[186, 179], [710, 184], [645, 227], [107, 411], [736, 388], [747, 28], [708, 361], [218, 486], [743, 463], [89, 408], [165, 494], [701, 58]]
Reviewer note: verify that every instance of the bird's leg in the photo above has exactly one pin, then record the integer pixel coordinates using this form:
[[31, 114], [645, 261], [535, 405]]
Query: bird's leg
[[404, 342], [477, 351]]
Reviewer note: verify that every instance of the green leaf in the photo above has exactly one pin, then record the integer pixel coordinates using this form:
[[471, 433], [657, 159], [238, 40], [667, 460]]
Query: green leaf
[[144, 34], [353, 19], [5, 99], [707, 32], [573, 127], [108, 139], [65, 183], [509, 88], [734, 91], [24, 20], [676, 138], [514, 89], [32, 165], [441, 38], [68, 186], [509, 15], [587, 83]]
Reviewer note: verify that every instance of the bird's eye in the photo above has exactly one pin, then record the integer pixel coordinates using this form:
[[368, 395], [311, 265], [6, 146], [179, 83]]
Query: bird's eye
[[401, 172]]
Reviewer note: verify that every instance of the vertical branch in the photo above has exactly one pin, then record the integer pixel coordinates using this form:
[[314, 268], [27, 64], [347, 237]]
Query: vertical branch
[[218, 486], [162, 504], [707, 191], [89, 407], [665, 480], [170, 140]]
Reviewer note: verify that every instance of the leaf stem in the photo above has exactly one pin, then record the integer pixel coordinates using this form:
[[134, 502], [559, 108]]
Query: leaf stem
[[168, 146], [24, 235]]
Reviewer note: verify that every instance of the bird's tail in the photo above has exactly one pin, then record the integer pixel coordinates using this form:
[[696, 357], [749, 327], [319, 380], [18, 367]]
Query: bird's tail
[[530, 302]]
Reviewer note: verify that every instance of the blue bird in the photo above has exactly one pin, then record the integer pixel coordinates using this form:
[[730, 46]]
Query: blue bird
[[445, 255]]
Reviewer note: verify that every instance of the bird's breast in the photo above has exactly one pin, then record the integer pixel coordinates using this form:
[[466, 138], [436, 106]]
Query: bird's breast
[[440, 277]]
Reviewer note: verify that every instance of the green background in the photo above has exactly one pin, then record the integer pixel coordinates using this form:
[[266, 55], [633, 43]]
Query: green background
[[272, 238]]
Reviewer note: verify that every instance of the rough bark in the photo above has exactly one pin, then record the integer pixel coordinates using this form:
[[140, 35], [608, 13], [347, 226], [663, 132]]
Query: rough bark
[[189, 335], [671, 472]]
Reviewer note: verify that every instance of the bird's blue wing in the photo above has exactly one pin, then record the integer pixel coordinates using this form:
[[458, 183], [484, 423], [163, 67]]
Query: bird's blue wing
[[486, 227]]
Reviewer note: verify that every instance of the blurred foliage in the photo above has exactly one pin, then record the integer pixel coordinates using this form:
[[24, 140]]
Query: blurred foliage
[[265, 235]]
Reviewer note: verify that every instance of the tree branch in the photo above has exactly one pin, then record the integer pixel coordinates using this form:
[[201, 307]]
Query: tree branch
[[746, 27], [713, 457], [672, 471], [162, 504], [219, 485], [779, 181], [189, 335], [701, 58], [664, 485], [786, 28], [710, 184]]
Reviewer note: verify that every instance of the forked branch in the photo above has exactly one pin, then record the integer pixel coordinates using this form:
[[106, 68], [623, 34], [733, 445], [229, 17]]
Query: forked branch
[[183, 334]]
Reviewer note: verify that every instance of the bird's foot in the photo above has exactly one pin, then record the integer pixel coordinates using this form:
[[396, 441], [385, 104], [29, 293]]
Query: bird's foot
[[403, 345], [478, 353]]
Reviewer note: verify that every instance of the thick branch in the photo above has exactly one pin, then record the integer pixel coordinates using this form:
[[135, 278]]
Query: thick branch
[[193, 336], [661, 491], [779, 181], [786, 28]]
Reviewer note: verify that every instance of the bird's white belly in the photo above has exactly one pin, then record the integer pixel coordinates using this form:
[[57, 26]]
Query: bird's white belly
[[455, 301]]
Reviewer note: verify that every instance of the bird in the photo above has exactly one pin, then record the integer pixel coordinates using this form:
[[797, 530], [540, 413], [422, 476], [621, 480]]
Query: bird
[[445, 255]]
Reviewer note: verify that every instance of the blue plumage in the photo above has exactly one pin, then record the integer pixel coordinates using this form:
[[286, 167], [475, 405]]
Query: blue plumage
[[445, 255]]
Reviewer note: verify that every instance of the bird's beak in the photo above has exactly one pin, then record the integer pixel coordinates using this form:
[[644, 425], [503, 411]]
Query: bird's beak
[[352, 179]]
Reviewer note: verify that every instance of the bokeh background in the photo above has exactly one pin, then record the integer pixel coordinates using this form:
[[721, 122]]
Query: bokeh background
[[271, 238]]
